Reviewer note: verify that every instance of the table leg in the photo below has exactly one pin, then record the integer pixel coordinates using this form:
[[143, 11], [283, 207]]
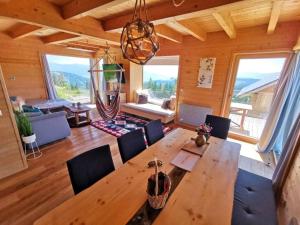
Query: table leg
[[88, 116], [243, 119], [77, 119]]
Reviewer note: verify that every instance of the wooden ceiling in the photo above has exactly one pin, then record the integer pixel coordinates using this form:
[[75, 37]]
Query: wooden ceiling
[[89, 24]]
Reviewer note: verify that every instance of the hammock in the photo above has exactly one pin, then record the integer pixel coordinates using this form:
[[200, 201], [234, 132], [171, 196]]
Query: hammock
[[107, 112]]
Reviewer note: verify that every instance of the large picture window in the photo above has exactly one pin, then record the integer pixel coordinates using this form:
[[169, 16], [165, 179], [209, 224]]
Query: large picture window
[[160, 80], [71, 77]]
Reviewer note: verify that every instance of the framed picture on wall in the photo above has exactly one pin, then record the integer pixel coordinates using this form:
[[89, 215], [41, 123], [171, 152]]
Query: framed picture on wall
[[206, 72]]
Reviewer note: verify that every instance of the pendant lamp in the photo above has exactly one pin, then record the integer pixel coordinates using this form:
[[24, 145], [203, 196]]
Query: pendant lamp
[[139, 42]]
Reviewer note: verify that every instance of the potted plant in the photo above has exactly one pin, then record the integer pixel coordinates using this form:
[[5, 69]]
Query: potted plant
[[25, 128]]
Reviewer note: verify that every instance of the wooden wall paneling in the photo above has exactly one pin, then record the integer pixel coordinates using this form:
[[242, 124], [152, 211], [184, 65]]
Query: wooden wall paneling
[[136, 80], [12, 159], [21, 65], [220, 46], [289, 204], [20, 78]]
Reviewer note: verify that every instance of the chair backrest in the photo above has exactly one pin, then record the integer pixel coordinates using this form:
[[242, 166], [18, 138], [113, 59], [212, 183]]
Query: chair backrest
[[89, 167], [131, 144], [154, 131], [219, 124]]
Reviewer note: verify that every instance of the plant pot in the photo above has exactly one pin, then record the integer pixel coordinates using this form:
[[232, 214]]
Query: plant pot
[[29, 139]]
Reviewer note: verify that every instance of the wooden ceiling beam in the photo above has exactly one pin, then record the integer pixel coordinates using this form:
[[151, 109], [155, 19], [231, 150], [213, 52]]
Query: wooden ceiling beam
[[59, 38], [168, 33], [275, 13], [169, 12], [82, 47], [22, 30], [44, 14], [88, 45], [225, 21], [82, 7], [189, 27], [297, 46]]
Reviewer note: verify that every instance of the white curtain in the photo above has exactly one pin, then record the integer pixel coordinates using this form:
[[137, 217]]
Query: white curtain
[[52, 95], [284, 109], [287, 158]]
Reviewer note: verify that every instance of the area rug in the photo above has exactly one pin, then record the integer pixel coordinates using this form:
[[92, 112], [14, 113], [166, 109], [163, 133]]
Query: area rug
[[123, 124]]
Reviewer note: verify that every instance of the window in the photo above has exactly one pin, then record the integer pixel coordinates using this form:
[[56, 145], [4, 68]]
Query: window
[[71, 77], [160, 80], [256, 80]]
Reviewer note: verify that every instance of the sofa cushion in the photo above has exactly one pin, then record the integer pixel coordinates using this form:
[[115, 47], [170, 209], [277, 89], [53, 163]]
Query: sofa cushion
[[33, 114], [254, 202], [156, 109]]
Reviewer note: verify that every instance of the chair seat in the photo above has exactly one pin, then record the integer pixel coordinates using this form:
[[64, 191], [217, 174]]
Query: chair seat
[[254, 202]]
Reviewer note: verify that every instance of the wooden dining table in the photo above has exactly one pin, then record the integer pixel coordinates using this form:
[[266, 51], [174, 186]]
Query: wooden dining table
[[203, 196]]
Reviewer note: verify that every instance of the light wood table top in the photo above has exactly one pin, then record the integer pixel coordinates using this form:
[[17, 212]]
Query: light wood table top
[[204, 196]]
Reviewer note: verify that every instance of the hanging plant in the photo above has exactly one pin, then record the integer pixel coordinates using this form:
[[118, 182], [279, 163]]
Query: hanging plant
[[139, 42]]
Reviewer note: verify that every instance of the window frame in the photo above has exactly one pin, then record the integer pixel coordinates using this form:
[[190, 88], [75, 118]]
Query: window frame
[[177, 79], [73, 56], [232, 75]]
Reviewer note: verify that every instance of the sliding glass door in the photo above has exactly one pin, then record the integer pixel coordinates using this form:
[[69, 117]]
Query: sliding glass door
[[255, 82]]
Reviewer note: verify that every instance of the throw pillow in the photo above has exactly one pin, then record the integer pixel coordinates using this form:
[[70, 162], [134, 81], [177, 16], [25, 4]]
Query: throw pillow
[[166, 104], [142, 99], [172, 105], [31, 111]]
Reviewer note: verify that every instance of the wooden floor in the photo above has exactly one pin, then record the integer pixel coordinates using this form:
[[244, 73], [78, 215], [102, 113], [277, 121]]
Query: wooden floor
[[26, 196]]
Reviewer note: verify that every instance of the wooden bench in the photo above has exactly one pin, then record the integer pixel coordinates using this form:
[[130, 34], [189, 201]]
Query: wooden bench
[[254, 202]]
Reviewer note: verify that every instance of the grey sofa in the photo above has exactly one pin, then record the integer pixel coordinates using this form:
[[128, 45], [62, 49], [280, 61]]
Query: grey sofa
[[50, 127]]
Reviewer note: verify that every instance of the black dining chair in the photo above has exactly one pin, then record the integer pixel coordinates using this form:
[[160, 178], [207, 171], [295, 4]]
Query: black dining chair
[[131, 144], [154, 131], [219, 124], [89, 167]]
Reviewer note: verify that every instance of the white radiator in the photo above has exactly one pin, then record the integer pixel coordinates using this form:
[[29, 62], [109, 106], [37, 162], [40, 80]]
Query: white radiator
[[192, 114]]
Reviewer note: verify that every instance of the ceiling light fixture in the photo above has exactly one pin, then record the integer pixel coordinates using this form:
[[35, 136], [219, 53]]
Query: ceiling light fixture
[[139, 42]]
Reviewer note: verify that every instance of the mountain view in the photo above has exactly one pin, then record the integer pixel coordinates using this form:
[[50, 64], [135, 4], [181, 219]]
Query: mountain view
[[71, 80], [246, 79], [161, 80], [240, 83], [71, 86], [161, 88]]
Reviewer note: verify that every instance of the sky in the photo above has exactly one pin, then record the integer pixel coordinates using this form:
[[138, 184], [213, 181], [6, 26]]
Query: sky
[[160, 72], [67, 60], [269, 65]]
